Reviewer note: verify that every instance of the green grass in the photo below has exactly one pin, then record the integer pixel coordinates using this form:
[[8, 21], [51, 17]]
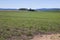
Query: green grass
[[14, 23]]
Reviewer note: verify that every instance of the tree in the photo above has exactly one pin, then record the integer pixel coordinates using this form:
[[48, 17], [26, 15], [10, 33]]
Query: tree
[[25, 9], [31, 9]]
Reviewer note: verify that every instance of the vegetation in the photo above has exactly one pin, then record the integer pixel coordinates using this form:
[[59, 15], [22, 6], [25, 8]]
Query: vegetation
[[31, 9], [25, 9], [25, 24]]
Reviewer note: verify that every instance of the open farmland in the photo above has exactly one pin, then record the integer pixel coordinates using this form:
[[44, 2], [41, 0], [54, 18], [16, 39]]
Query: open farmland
[[18, 25]]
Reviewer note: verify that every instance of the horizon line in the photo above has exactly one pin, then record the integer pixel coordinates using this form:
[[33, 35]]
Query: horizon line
[[27, 8]]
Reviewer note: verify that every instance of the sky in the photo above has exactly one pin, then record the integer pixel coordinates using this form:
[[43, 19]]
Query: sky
[[30, 4]]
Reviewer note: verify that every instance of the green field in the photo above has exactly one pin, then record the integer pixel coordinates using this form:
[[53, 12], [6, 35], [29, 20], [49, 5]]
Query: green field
[[16, 23]]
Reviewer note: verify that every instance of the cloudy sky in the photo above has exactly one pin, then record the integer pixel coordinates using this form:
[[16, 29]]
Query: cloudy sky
[[29, 3]]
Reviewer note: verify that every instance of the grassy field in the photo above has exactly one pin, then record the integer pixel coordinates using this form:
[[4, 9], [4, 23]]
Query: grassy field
[[17, 23]]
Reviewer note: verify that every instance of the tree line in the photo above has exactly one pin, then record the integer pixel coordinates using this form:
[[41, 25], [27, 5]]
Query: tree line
[[25, 9]]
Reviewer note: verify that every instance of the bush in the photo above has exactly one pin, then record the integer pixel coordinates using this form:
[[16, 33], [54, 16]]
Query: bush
[[23, 9], [31, 9]]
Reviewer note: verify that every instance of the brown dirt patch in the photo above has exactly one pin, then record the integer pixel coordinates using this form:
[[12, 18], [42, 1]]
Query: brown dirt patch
[[47, 37]]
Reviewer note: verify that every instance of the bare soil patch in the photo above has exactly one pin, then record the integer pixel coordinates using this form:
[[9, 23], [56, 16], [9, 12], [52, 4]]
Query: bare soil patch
[[47, 37]]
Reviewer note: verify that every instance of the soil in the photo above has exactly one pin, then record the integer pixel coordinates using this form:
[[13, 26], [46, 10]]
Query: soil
[[37, 37], [46, 37]]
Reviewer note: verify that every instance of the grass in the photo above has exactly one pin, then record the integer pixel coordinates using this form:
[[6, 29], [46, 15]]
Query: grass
[[17, 23]]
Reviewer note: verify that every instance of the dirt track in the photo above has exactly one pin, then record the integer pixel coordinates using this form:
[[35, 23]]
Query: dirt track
[[47, 37]]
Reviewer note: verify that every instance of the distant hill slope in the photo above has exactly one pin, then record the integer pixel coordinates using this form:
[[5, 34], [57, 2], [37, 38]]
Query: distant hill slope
[[7, 9], [49, 9]]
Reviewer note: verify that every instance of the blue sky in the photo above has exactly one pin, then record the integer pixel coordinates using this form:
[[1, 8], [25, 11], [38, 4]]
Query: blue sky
[[29, 3]]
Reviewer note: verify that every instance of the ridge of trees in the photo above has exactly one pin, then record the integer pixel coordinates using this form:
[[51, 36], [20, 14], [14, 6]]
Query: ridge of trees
[[25, 9]]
